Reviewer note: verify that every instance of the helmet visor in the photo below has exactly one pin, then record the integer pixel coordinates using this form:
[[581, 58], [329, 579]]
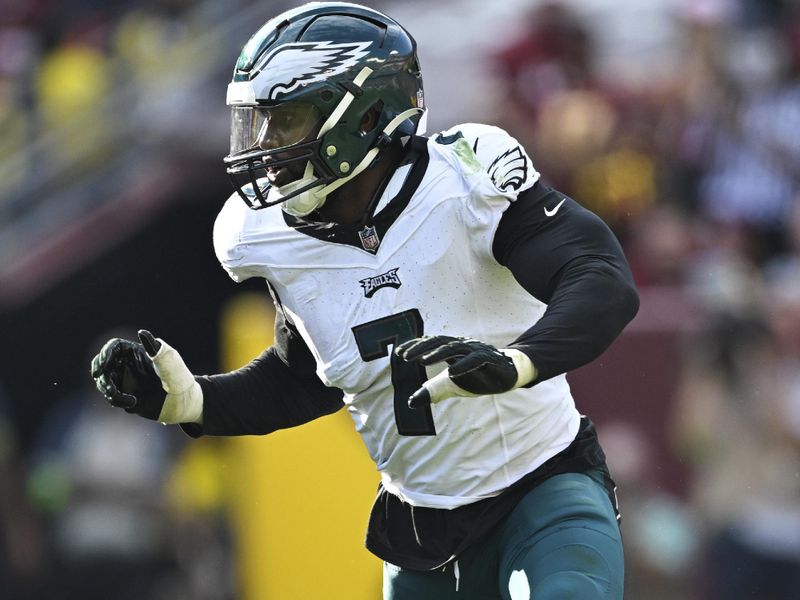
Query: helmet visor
[[268, 128]]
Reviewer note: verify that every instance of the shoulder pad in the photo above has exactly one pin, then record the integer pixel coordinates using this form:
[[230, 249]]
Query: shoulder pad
[[498, 154]]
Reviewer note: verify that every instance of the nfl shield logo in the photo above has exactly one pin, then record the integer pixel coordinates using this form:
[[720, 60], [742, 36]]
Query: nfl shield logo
[[369, 239]]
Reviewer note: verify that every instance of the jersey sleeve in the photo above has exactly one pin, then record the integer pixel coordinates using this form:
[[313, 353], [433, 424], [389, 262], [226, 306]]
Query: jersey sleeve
[[568, 258], [277, 390], [496, 169]]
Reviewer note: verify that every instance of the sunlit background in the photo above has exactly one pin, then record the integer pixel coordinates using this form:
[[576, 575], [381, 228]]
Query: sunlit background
[[678, 121]]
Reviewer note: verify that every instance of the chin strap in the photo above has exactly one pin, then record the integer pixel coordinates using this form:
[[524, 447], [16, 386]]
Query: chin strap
[[309, 201], [312, 199], [344, 103], [370, 156]]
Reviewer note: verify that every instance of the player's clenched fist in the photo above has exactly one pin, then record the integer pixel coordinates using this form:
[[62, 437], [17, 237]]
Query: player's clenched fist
[[474, 368], [148, 379]]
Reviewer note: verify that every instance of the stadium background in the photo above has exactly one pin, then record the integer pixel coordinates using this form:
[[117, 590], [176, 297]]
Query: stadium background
[[677, 121]]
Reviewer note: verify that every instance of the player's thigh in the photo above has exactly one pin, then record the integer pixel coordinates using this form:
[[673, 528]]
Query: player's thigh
[[563, 541], [455, 581], [406, 584]]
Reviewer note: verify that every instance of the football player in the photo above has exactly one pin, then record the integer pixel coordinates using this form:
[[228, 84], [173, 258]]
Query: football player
[[432, 286]]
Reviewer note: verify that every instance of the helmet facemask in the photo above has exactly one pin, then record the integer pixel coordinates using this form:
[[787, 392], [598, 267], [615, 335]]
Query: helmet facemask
[[276, 146]]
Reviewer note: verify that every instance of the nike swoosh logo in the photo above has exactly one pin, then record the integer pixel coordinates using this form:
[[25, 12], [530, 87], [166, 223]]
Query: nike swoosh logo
[[554, 210]]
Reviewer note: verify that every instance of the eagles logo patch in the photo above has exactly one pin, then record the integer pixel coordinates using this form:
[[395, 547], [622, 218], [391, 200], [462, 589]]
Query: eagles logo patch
[[510, 169]]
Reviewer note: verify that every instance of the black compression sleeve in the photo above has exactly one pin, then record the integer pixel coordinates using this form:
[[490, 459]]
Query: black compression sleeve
[[568, 258], [279, 389]]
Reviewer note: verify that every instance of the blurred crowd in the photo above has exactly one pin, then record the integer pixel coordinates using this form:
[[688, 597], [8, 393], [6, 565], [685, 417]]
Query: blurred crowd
[[698, 172], [137, 63], [44, 44], [97, 505], [697, 169]]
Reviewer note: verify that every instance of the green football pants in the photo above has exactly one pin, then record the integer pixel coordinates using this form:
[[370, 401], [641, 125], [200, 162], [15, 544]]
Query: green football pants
[[561, 542]]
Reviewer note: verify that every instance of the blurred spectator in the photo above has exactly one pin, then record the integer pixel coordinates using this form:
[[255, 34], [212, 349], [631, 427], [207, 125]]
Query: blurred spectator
[[99, 481], [198, 493], [143, 39], [659, 529], [737, 405], [620, 181], [695, 94], [157, 50], [752, 177], [22, 559], [19, 51], [660, 246], [15, 123], [72, 82], [588, 135], [572, 128], [549, 96], [553, 56]]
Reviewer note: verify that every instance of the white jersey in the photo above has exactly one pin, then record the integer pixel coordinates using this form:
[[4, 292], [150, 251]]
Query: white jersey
[[432, 272]]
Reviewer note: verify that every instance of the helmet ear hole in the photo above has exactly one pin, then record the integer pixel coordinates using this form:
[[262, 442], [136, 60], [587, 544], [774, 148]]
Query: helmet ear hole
[[372, 118]]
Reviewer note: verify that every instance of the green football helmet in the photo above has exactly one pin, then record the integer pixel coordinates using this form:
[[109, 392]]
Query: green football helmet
[[300, 89]]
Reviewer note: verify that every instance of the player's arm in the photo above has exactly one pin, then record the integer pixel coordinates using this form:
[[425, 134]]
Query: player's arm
[[568, 258], [279, 389]]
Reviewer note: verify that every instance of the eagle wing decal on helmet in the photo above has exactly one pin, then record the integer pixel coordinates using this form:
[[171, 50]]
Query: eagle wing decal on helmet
[[289, 66]]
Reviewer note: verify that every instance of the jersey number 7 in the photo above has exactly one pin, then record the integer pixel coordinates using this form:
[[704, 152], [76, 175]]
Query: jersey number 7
[[374, 340]]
